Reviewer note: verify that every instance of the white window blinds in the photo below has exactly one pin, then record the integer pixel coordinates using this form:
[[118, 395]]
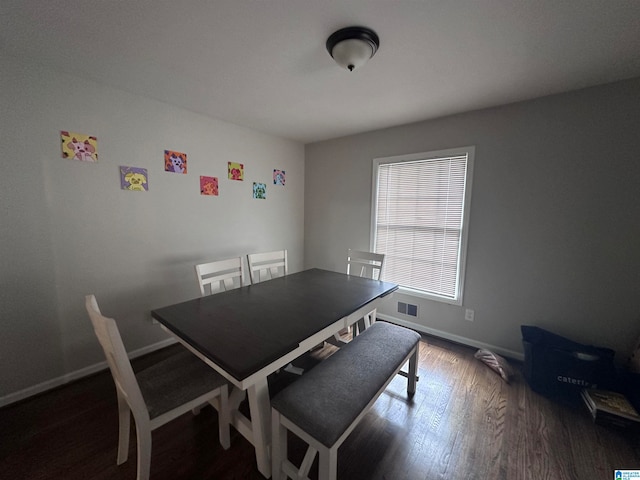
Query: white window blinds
[[419, 219]]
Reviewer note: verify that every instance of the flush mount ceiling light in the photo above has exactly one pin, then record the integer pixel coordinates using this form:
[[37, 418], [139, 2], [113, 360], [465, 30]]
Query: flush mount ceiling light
[[351, 47]]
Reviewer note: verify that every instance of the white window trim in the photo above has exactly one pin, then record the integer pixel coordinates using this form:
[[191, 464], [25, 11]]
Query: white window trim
[[451, 152]]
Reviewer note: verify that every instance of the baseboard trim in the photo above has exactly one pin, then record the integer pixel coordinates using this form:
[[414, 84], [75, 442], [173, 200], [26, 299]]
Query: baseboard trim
[[454, 338], [90, 370], [76, 375]]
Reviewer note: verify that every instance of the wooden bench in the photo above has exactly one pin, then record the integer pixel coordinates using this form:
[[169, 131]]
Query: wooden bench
[[325, 405]]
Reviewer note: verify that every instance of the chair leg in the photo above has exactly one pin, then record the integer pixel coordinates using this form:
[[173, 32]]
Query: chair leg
[[144, 451], [367, 321], [370, 318], [373, 316], [124, 419], [355, 329]]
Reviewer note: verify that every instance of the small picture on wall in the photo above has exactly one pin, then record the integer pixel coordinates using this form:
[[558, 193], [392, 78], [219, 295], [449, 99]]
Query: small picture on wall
[[134, 178], [259, 190], [278, 177], [209, 186], [79, 147], [175, 162], [236, 171]]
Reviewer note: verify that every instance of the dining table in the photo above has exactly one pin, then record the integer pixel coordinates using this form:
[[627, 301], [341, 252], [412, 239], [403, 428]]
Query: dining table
[[248, 333]]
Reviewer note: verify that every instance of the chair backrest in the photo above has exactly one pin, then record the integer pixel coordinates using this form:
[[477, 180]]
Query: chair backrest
[[365, 264], [267, 265], [221, 275], [111, 342]]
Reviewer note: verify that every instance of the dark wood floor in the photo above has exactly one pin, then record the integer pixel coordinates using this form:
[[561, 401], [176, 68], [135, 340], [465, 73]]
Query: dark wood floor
[[464, 422]]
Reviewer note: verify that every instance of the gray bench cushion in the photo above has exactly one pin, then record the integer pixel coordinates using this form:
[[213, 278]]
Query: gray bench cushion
[[325, 401]]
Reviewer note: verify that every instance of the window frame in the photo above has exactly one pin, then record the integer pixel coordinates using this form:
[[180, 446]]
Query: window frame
[[469, 151]]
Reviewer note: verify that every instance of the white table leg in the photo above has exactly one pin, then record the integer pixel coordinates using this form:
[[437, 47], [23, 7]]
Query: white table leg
[[260, 408], [236, 396]]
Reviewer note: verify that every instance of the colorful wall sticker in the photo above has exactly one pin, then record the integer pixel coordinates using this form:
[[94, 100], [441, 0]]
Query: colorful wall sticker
[[236, 171], [278, 177], [208, 186], [134, 178], [79, 147], [259, 190], [175, 162]]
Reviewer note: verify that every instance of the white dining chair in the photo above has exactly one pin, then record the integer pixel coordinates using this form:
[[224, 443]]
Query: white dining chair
[[267, 265], [221, 275], [369, 265], [157, 394], [365, 264]]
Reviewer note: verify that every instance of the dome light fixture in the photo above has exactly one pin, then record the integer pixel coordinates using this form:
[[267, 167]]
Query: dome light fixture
[[351, 47]]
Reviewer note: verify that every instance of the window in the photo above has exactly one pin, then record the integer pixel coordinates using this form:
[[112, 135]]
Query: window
[[420, 213]]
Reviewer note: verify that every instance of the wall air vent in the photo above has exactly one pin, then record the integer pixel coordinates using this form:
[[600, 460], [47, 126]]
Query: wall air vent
[[408, 309]]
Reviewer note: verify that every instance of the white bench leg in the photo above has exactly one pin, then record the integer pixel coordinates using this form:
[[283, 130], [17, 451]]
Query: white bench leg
[[328, 463], [412, 378]]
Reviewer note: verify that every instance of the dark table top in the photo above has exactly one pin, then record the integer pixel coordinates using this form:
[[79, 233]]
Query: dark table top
[[245, 329]]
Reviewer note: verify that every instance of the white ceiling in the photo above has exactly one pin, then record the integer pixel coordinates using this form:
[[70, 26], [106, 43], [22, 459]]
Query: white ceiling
[[263, 64]]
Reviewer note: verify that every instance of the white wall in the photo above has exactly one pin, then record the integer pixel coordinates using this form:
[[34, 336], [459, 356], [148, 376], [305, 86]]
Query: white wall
[[68, 229], [554, 235]]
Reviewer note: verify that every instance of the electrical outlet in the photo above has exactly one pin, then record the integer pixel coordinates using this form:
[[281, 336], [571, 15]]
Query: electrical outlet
[[469, 314]]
